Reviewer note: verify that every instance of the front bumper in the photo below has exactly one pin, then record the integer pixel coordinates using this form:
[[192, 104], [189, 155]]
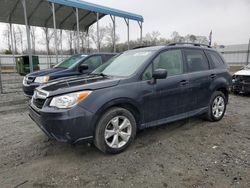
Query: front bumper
[[70, 125], [29, 89]]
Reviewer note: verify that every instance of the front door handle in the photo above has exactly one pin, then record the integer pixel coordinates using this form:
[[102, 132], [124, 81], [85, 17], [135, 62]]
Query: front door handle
[[184, 82], [213, 76]]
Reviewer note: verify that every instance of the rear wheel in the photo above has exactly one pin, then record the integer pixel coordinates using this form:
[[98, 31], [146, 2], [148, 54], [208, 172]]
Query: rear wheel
[[217, 107], [115, 130]]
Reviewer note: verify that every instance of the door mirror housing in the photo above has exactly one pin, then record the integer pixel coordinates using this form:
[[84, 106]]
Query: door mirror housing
[[83, 67], [160, 74]]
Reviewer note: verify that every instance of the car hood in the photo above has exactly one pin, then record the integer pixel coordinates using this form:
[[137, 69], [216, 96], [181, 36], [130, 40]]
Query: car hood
[[46, 72], [245, 72], [68, 85]]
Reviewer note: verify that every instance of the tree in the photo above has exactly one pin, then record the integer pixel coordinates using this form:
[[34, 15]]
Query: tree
[[93, 36], [110, 36], [69, 35], [48, 34], [176, 37], [33, 38], [202, 40], [6, 34], [19, 37]]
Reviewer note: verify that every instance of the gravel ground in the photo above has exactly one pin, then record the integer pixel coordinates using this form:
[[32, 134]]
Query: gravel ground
[[190, 153]]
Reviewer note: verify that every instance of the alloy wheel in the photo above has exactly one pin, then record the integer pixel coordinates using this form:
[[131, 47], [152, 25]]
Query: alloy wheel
[[118, 132], [218, 106]]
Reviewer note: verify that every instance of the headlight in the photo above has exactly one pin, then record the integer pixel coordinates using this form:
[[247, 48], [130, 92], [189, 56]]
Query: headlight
[[69, 100], [41, 79], [24, 80]]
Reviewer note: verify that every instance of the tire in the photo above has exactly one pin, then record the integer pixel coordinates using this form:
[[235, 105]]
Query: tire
[[215, 111], [113, 139]]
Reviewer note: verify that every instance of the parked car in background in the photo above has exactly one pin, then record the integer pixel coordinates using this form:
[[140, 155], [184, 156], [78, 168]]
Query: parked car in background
[[72, 66], [140, 88], [241, 81]]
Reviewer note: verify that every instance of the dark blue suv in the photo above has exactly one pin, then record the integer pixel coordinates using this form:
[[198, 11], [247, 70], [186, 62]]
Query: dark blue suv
[[75, 65], [140, 88]]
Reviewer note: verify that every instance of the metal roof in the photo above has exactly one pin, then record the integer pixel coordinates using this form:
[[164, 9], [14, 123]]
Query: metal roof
[[40, 14], [99, 8]]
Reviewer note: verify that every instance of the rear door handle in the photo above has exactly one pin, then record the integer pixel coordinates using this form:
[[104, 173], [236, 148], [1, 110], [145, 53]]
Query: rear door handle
[[184, 82], [213, 76]]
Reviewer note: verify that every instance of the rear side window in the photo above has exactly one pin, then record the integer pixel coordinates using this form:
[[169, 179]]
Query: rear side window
[[196, 60], [215, 60]]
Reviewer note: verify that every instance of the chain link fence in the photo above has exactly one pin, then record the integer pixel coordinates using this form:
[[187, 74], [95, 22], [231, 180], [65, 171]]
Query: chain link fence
[[10, 80]]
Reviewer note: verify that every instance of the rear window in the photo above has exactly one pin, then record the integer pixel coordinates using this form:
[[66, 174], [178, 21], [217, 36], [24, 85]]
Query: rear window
[[196, 60], [215, 60]]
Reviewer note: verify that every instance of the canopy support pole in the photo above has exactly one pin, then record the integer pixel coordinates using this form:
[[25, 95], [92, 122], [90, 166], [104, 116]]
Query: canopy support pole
[[47, 47], [1, 84], [87, 41], [127, 23], [61, 44], [12, 44], [248, 51], [28, 34], [140, 25], [55, 31], [114, 34], [97, 31], [78, 32]]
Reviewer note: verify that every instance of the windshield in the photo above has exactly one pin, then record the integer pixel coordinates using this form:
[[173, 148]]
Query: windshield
[[70, 62], [103, 66], [125, 64]]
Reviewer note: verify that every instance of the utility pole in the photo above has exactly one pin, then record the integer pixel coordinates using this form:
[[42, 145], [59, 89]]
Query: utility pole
[[1, 84], [248, 51]]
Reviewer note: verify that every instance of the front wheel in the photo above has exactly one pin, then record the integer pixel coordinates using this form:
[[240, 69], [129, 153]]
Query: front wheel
[[115, 130], [217, 107]]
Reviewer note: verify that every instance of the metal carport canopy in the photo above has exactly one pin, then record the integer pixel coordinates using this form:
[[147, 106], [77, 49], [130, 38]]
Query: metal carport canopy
[[60, 14], [39, 13]]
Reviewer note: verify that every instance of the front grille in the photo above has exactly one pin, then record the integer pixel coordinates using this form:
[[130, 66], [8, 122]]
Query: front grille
[[38, 103]]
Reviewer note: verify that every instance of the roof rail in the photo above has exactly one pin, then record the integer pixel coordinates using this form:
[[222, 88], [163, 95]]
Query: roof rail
[[137, 47], [188, 43]]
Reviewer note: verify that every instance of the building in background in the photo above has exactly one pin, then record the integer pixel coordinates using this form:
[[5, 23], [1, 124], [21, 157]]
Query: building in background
[[236, 54]]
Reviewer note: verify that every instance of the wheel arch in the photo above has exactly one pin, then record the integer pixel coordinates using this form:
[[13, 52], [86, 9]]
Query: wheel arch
[[222, 85], [125, 103], [225, 91]]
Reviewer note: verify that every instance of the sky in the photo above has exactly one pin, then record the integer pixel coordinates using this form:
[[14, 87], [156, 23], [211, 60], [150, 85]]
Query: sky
[[228, 19]]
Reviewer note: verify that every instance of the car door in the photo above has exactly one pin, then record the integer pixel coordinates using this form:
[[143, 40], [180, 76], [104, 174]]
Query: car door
[[169, 97], [199, 75]]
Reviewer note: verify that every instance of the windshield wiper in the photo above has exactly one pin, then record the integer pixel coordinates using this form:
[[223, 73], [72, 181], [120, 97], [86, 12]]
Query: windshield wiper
[[99, 74]]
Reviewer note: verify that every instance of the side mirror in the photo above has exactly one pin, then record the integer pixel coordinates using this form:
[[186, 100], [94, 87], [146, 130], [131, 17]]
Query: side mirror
[[83, 67], [160, 74]]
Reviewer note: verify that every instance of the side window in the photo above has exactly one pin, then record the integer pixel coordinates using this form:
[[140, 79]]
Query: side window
[[196, 60], [171, 61], [215, 59], [93, 62]]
